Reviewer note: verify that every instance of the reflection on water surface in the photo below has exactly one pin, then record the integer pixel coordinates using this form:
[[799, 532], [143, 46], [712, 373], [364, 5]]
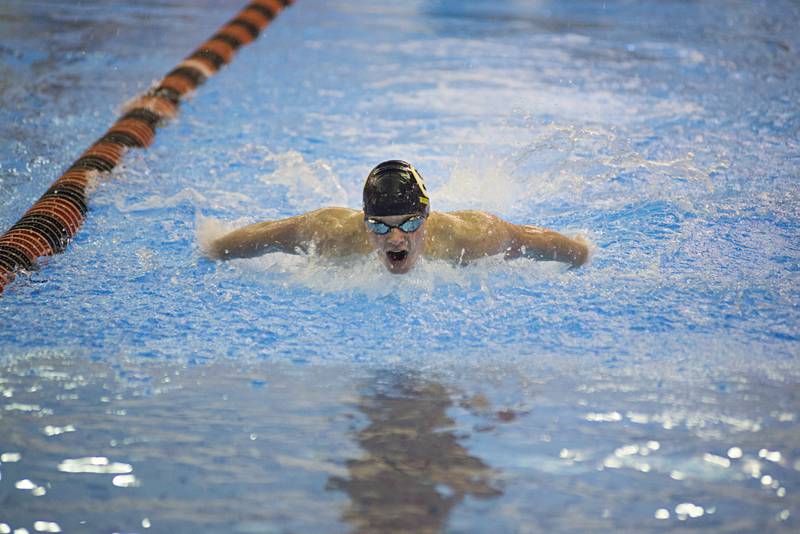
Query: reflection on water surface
[[98, 447], [413, 469]]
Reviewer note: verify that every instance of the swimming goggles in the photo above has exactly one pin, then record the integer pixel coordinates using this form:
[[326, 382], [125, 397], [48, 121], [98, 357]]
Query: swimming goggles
[[411, 224]]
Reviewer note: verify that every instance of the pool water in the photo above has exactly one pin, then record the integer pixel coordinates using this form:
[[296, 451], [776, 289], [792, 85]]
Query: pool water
[[144, 387]]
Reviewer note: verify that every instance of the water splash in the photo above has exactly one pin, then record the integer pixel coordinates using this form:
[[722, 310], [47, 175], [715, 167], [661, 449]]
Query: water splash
[[310, 184]]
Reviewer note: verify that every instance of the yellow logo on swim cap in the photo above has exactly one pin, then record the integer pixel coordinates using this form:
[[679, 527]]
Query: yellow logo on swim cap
[[421, 184]]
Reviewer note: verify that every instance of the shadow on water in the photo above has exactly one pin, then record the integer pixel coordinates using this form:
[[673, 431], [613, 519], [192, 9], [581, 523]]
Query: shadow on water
[[413, 470]]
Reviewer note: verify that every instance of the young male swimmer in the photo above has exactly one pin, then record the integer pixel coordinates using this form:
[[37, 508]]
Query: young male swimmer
[[397, 223]]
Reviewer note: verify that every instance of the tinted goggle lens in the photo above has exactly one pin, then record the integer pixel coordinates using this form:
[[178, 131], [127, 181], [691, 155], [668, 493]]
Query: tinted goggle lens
[[411, 224], [377, 227], [407, 226]]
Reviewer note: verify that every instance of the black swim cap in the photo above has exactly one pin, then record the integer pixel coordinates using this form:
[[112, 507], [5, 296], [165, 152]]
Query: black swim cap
[[395, 188]]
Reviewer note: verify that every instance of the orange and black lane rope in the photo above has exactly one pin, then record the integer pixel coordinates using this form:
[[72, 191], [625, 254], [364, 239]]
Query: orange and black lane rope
[[53, 220]]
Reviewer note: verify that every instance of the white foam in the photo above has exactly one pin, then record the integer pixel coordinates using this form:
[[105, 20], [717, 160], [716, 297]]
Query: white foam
[[479, 182], [368, 276], [208, 229]]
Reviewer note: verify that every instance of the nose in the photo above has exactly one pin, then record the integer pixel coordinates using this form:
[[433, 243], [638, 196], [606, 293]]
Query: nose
[[395, 237]]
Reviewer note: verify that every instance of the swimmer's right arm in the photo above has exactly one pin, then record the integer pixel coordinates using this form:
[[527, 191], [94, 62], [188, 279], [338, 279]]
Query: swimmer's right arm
[[331, 231], [260, 238]]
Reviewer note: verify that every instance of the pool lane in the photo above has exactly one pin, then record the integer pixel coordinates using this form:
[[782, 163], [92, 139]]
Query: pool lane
[[51, 223]]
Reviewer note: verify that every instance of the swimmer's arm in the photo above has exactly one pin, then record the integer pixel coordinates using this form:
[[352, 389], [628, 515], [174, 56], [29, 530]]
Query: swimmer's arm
[[328, 231], [284, 235], [547, 245]]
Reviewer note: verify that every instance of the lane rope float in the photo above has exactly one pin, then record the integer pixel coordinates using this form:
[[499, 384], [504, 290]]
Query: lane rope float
[[53, 220]]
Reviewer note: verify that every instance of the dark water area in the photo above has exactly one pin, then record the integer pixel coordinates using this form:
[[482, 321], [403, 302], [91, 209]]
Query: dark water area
[[111, 448]]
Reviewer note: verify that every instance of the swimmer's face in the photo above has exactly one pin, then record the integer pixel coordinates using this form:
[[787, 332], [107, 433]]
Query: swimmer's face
[[398, 250]]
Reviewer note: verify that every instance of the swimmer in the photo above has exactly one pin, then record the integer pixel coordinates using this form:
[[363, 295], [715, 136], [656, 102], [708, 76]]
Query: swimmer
[[396, 223]]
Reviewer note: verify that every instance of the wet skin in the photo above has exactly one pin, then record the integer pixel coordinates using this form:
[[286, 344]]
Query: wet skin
[[398, 250], [458, 237]]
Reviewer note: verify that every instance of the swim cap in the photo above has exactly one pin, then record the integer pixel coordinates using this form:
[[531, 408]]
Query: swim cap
[[395, 188]]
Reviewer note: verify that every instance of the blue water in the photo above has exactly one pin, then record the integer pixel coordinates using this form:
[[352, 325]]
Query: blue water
[[147, 388]]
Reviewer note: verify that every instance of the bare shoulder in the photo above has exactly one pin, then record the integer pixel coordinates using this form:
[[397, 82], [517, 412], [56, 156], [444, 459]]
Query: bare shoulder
[[466, 235], [466, 221], [332, 215], [336, 231], [327, 222], [474, 218]]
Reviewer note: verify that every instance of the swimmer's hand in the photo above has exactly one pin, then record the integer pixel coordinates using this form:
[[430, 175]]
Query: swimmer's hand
[[582, 252], [284, 235], [222, 241], [241, 243], [547, 245], [208, 232]]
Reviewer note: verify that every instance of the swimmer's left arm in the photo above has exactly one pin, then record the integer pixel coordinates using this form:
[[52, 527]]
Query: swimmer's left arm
[[547, 245]]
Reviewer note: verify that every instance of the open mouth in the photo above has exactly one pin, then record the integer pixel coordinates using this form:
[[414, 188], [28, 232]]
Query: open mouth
[[397, 256]]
